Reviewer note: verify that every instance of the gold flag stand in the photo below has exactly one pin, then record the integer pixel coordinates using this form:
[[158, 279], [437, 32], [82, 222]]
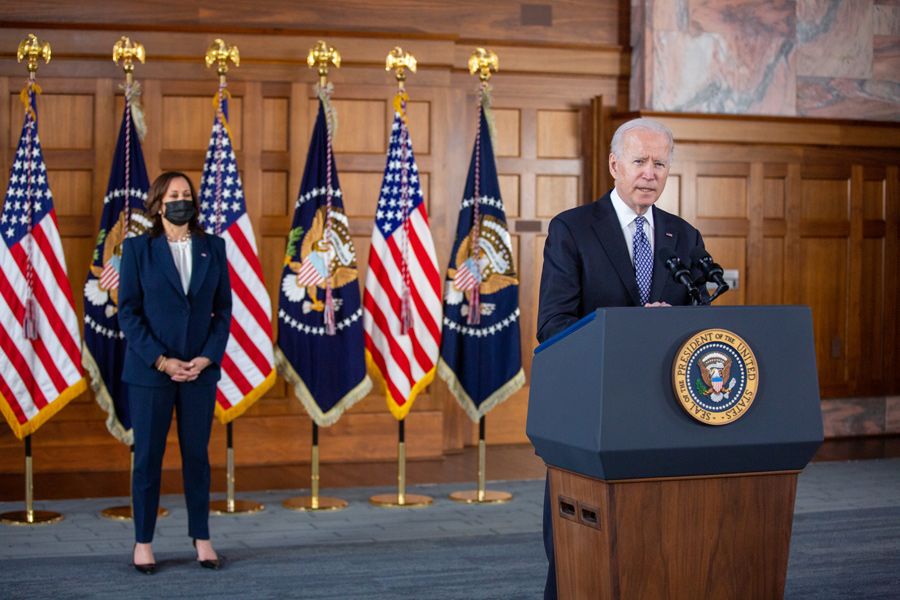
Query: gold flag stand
[[401, 499], [29, 516], [398, 61], [481, 495], [219, 54], [319, 57], [31, 49], [314, 502], [126, 51]]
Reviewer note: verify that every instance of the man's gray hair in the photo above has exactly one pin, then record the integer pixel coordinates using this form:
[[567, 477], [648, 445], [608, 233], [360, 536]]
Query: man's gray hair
[[641, 123]]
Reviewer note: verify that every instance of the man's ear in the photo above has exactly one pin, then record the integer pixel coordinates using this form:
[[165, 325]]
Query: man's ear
[[613, 163]]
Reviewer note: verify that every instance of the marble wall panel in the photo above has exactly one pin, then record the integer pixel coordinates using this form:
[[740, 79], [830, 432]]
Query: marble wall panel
[[744, 17], [718, 73], [886, 19], [818, 58], [886, 59], [848, 417], [834, 38], [848, 98]]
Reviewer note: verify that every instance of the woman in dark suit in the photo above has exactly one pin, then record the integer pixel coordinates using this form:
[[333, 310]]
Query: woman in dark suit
[[175, 312]]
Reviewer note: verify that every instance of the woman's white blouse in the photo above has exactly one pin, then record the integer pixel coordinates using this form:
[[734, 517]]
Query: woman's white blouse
[[181, 253]]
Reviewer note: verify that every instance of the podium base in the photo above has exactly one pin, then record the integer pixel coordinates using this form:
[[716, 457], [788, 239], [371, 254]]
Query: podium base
[[238, 507], [305, 503], [394, 501], [38, 517], [488, 497], [123, 513]]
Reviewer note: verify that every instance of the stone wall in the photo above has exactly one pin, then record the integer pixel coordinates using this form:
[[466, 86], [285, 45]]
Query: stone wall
[[812, 58]]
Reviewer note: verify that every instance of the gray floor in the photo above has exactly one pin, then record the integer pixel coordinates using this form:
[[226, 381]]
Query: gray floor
[[87, 541]]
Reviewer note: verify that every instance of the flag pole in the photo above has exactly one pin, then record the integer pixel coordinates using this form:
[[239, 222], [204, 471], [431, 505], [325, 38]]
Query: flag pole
[[314, 501], [319, 57], [401, 499], [219, 54], [481, 495], [399, 61], [29, 516], [484, 63], [31, 49], [127, 51]]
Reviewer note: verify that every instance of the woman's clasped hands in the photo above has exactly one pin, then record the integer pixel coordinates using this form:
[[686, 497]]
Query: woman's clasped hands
[[181, 371]]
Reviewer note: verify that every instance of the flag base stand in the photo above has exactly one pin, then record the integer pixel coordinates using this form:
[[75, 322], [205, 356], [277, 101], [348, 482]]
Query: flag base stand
[[230, 506], [29, 516], [124, 513], [481, 495], [401, 499], [314, 502], [235, 507]]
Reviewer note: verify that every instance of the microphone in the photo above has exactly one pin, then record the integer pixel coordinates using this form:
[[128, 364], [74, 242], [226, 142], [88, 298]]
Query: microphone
[[679, 272], [711, 270]]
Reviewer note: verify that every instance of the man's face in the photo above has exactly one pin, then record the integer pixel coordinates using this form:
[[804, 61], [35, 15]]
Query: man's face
[[641, 171]]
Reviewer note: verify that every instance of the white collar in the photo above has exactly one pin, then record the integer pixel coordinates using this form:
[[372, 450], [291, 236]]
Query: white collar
[[625, 213]]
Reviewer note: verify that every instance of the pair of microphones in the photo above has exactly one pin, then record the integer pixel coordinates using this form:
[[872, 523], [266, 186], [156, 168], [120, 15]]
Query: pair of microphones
[[703, 269]]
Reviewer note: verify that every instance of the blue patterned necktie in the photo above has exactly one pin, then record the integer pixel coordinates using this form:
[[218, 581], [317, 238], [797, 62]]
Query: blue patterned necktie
[[643, 259]]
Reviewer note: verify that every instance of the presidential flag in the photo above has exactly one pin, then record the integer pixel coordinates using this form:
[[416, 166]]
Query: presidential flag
[[320, 348], [402, 300], [40, 362], [123, 216], [480, 355], [248, 367]]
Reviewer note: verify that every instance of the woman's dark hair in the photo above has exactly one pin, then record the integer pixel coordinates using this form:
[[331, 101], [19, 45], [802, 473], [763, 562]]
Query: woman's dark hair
[[155, 201]]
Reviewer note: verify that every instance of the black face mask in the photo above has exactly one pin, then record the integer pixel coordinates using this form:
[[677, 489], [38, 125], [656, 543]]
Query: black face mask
[[179, 212]]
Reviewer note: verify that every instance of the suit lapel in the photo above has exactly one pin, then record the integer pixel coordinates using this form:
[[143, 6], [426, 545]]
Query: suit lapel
[[162, 256], [664, 236], [606, 226], [199, 262]]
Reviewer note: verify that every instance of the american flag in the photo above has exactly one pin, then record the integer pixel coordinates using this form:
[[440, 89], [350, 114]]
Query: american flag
[[123, 216], [402, 301], [40, 361], [248, 367]]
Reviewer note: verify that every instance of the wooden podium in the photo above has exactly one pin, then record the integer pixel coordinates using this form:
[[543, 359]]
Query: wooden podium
[[646, 500]]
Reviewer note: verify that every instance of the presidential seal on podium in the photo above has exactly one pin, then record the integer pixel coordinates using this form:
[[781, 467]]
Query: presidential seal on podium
[[715, 376]]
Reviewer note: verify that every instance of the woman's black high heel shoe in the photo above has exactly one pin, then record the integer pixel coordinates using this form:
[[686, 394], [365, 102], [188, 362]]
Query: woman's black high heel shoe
[[145, 569], [212, 563]]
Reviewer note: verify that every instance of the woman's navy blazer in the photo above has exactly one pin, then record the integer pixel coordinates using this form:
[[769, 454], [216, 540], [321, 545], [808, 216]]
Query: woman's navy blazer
[[158, 318]]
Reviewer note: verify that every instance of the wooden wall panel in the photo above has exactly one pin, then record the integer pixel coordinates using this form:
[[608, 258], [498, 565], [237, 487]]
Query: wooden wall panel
[[72, 191], [559, 133], [275, 194], [507, 127], [187, 121], [509, 191], [65, 121], [721, 197], [275, 124], [555, 193], [731, 253], [826, 199]]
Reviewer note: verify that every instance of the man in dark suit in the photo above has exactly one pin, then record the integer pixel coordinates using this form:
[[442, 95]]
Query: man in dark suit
[[603, 254]]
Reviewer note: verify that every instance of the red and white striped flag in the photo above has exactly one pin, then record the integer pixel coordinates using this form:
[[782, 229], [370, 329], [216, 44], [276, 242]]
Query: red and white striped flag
[[402, 301], [40, 344], [248, 367]]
